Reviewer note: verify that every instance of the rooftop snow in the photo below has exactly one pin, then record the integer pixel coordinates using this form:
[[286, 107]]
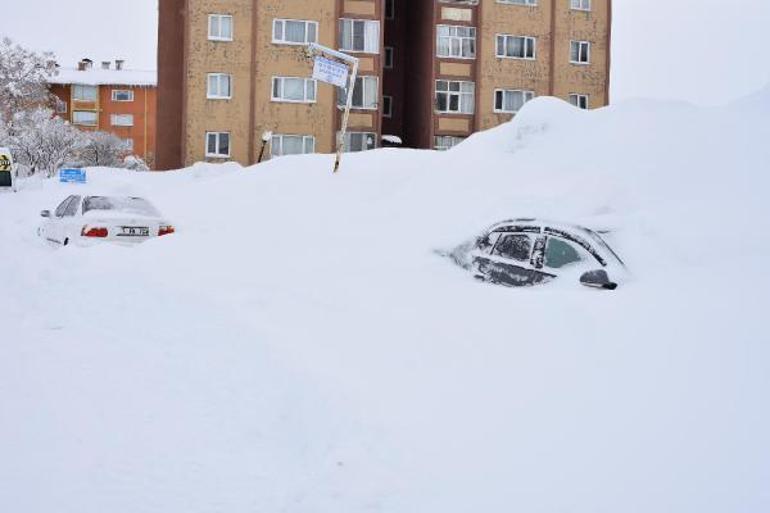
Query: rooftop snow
[[106, 77]]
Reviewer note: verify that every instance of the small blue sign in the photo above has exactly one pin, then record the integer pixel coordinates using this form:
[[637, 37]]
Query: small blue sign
[[72, 175]]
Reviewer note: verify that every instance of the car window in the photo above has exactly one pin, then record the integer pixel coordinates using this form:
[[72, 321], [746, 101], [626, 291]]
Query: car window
[[138, 206], [62, 207], [72, 207], [515, 246], [559, 253]]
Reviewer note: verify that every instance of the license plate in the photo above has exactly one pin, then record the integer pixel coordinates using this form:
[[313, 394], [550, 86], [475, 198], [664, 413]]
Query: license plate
[[134, 231]]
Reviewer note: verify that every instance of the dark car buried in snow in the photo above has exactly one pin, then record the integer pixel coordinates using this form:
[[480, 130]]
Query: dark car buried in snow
[[523, 252]]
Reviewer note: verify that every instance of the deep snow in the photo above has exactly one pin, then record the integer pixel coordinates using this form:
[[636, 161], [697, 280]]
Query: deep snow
[[299, 345]]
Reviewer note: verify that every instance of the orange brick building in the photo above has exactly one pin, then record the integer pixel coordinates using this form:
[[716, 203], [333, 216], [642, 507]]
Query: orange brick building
[[111, 99]]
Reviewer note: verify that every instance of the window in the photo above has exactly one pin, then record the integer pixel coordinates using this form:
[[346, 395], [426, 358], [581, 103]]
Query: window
[[579, 100], [220, 27], [518, 2], [295, 32], [219, 86], [387, 106], [360, 141], [455, 97], [456, 41], [365, 93], [122, 95], [559, 253], [360, 36], [294, 90], [580, 5], [84, 117], [218, 144], [129, 144], [122, 120], [84, 93], [61, 106], [390, 9], [510, 101], [389, 57], [580, 52], [515, 47], [514, 246], [59, 212], [445, 142], [72, 207], [292, 145]]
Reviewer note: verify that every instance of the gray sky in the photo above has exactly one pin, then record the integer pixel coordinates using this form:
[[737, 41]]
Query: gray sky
[[703, 51]]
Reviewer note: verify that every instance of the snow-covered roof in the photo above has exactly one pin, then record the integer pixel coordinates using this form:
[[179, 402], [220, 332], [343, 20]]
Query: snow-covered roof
[[106, 77]]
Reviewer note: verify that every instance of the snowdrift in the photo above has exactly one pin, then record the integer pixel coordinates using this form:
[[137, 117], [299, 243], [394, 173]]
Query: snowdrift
[[299, 345]]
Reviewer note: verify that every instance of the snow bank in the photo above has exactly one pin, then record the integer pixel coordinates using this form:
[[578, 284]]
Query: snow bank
[[299, 346]]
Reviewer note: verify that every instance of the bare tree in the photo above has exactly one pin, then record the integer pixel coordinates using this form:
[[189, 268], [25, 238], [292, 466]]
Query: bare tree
[[24, 78], [42, 142], [102, 149]]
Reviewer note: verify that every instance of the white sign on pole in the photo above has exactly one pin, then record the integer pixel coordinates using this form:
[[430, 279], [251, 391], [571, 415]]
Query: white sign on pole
[[331, 72]]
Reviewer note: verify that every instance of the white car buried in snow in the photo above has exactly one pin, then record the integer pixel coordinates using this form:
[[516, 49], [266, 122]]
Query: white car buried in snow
[[85, 219]]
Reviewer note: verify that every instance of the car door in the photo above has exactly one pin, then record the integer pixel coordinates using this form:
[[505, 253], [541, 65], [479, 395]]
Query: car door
[[52, 226], [511, 260], [69, 225]]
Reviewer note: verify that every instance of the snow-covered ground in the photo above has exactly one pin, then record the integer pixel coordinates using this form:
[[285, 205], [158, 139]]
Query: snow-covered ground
[[299, 346]]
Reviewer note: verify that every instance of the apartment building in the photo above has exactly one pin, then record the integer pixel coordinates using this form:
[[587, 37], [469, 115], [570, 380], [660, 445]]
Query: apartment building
[[111, 99], [432, 72]]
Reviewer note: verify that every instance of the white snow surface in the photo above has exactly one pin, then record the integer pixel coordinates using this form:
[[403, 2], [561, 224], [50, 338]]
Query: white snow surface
[[299, 346], [98, 76]]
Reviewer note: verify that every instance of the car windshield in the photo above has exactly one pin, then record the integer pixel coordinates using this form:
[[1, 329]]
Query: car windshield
[[599, 240], [138, 206]]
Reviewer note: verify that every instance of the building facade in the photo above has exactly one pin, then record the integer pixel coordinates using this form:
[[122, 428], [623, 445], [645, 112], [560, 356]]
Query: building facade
[[110, 99], [432, 72]]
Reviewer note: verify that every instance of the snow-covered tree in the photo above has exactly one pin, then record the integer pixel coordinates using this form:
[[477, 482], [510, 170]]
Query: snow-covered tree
[[102, 149], [40, 141], [24, 76]]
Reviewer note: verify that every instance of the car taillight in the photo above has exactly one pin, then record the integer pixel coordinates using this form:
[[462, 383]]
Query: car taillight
[[165, 230], [90, 231]]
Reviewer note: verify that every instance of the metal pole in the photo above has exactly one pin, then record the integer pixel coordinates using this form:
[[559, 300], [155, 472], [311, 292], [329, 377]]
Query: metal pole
[[346, 117]]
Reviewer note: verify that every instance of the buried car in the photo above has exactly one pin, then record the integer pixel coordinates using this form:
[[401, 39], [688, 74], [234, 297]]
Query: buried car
[[82, 219], [524, 252]]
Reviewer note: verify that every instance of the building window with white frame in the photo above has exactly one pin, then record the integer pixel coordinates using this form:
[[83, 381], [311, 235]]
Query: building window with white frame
[[509, 101], [61, 106], [365, 93], [580, 5], [516, 47], [518, 2], [283, 144], [389, 53], [218, 145], [85, 117], [387, 106], [455, 97], [294, 90], [456, 41], [122, 120], [294, 32], [579, 100], [128, 144], [360, 141], [219, 86], [84, 93], [220, 27], [445, 142], [360, 36], [580, 52], [122, 95]]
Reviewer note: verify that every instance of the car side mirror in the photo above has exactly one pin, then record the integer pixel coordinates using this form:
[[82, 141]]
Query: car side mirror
[[598, 279], [45, 213]]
